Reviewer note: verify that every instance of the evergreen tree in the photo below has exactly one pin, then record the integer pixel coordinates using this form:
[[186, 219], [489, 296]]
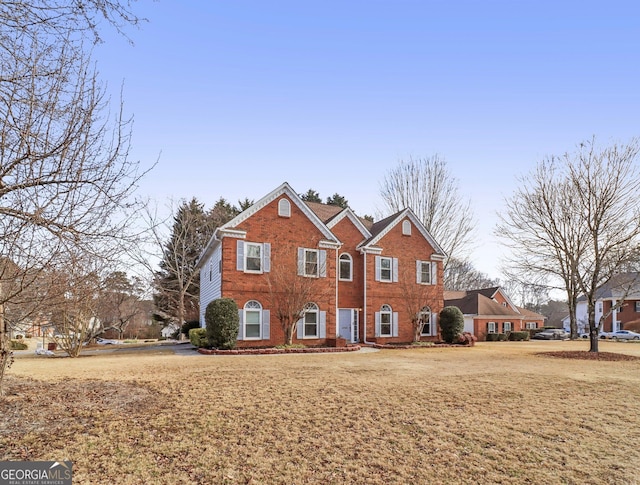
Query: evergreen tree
[[177, 282], [311, 196], [339, 200]]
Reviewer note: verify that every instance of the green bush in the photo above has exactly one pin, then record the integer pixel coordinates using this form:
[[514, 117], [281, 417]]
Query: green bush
[[502, 337], [223, 323], [492, 337], [198, 337], [451, 324], [17, 345], [519, 336]]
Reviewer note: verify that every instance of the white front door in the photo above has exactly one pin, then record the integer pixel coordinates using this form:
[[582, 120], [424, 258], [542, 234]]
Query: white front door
[[348, 324]]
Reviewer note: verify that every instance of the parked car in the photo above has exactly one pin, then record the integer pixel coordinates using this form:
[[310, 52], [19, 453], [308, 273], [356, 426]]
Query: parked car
[[552, 334], [106, 341], [601, 335], [624, 335]]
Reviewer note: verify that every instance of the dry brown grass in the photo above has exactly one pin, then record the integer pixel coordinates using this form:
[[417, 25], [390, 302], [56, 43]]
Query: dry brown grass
[[495, 413]]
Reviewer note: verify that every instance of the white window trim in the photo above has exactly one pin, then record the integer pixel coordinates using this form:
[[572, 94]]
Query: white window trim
[[384, 311], [317, 253], [530, 325], [382, 279], [340, 260], [244, 320], [510, 327], [284, 208], [406, 228], [246, 257], [426, 310], [311, 308], [495, 327]]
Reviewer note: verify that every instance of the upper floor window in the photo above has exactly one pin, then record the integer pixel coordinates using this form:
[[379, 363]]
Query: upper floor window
[[423, 272], [346, 266], [386, 269], [253, 257], [406, 228], [284, 208], [252, 320], [312, 262]]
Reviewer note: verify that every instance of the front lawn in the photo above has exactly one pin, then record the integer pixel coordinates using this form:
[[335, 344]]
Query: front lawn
[[493, 413]]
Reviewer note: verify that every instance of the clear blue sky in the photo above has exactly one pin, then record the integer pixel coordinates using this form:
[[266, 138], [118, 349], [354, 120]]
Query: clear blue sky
[[238, 96]]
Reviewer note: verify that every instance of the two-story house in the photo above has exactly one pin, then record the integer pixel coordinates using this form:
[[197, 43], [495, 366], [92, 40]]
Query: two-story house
[[363, 282], [617, 305]]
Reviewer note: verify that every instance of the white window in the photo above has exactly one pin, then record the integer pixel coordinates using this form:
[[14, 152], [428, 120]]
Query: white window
[[406, 228], [425, 320], [423, 269], [638, 306], [252, 320], [312, 262], [506, 327], [530, 325], [284, 208], [310, 321], [491, 327], [386, 321], [346, 265], [253, 257]]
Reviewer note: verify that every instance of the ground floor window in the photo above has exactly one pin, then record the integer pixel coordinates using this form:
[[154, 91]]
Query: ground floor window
[[310, 321], [530, 325], [385, 321], [491, 327], [425, 319], [506, 327], [252, 320]]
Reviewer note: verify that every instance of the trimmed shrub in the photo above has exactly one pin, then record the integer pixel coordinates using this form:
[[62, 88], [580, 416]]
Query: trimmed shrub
[[188, 326], [502, 337], [198, 337], [17, 345], [519, 336], [223, 323], [492, 337], [451, 324]]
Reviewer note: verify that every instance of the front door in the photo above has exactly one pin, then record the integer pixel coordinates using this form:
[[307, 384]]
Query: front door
[[348, 324]]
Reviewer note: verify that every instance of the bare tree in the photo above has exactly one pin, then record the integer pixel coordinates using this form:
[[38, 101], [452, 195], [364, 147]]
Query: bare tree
[[119, 301], [290, 292], [64, 171], [427, 187], [462, 275], [575, 219], [415, 298]]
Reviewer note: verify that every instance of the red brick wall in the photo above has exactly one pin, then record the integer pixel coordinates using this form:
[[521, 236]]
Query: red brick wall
[[285, 234], [408, 249], [350, 293]]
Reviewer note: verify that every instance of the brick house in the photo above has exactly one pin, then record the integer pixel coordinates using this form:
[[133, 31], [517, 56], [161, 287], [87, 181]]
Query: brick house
[[617, 305], [366, 281], [490, 310]]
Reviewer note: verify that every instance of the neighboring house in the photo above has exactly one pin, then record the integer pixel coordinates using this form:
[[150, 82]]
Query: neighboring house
[[490, 310], [618, 301], [363, 278]]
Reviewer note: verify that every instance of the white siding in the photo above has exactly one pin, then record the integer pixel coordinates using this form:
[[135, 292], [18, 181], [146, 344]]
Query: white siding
[[210, 290], [468, 325]]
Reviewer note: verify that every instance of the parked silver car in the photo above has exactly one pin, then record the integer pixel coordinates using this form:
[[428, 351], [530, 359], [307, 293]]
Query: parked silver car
[[624, 335], [551, 334]]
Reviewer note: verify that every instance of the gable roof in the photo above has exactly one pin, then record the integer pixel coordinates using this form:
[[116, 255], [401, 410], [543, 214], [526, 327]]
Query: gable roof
[[621, 285], [381, 228], [284, 189], [481, 303]]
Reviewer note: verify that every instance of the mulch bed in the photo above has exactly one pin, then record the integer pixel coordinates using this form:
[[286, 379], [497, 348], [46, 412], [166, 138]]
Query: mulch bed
[[273, 350], [584, 355]]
